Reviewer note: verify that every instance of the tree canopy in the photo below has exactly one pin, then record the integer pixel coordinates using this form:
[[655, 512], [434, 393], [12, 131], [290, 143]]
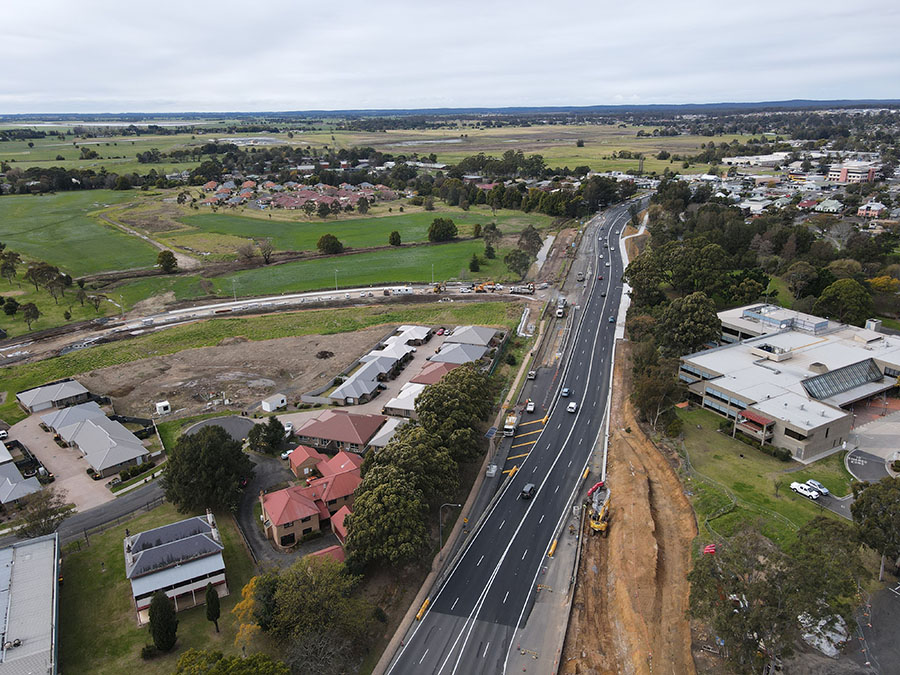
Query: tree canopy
[[205, 470], [43, 511], [442, 229], [329, 244], [846, 300], [267, 438], [201, 662], [163, 624], [876, 515], [166, 261], [688, 323]]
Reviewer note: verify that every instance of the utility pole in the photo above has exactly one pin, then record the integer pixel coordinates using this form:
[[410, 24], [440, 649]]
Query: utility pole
[[335, 280]]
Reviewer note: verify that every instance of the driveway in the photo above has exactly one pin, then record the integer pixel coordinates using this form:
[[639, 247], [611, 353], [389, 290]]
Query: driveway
[[67, 464], [876, 446], [270, 471]]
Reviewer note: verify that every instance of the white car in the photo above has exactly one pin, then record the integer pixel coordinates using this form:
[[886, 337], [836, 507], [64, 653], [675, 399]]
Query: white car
[[465, 289], [572, 407], [805, 490], [529, 406], [818, 487], [286, 453], [288, 429], [4, 434]]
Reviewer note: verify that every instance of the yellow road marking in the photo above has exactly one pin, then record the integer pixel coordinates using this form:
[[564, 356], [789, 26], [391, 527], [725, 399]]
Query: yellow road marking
[[529, 433], [540, 421], [511, 471], [524, 454], [521, 445]]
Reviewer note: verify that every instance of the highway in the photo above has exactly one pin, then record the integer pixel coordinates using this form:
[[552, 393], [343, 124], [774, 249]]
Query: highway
[[471, 622]]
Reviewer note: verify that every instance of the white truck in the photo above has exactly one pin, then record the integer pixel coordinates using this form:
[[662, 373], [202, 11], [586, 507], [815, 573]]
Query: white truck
[[509, 427]]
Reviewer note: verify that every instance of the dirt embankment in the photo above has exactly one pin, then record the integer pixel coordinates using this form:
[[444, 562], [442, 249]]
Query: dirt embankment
[[629, 613]]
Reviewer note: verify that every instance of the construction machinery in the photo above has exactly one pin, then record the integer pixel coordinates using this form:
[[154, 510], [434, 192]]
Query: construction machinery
[[527, 289], [598, 501]]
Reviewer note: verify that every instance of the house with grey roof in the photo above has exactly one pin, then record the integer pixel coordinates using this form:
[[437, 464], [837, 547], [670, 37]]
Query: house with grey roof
[[29, 585], [56, 395], [107, 445], [472, 335], [13, 485], [180, 559], [458, 353], [58, 419]]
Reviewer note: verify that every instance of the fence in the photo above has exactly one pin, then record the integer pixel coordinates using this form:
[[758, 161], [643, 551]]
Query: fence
[[76, 537]]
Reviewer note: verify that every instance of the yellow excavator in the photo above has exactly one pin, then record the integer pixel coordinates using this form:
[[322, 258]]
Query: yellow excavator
[[598, 503]]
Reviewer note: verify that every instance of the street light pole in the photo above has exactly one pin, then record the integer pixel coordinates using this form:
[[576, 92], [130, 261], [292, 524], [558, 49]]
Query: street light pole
[[441, 528], [335, 280], [432, 274]]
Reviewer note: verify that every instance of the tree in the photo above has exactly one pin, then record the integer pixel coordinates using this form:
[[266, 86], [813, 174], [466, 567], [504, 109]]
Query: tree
[[30, 313], [655, 393], [362, 205], [749, 290], [95, 301], [530, 241], [42, 512], [10, 306], [846, 300], [387, 526], [166, 261], [329, 244], [80, 295], [747, 592], [429, 204], [394, 238], [39, 273], [518, 262], [687, 324], [800, 276], [206, 470], [476, 230], [635, 214], [323, 210], [266, 249], [490, 234], [122, 182], [489, 252], [246, 252], [198, 662], [267, 438], [474, 263], [163, 624], [442, 229], [213, 611], [429, 465], [876, 514], [9, 262]]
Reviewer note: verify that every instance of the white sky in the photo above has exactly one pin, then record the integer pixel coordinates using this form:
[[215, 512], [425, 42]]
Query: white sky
[[200, 55]]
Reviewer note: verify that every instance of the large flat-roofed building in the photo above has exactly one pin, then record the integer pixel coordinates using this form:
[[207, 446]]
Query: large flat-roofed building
[[852, 172], [29, 600], [793, 382]]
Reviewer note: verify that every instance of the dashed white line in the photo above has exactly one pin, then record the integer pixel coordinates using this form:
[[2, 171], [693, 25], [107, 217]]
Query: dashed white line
[[479, 561], [485, 649], [423, 656], [570, 463], [541, 520], [505, 597], [501, 525], [454, 604], [556, 490], [524, 554]]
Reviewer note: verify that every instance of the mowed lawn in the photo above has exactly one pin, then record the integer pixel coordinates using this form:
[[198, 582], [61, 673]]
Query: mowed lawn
[[407, 265], [751, 475], [98, 629], [58, 229], [357, 232]]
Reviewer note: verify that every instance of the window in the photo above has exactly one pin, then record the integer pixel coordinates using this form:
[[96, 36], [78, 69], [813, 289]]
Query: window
[[307, 530], [305, 520], [288, 539], [332, 502], [288, 525], [827, 429], [790, 433]]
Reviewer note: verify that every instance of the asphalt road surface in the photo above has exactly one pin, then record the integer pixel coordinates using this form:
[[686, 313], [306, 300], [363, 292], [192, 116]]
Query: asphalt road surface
[[471, 622]]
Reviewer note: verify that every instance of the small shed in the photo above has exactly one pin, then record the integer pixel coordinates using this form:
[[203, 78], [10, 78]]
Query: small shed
[[163, 408], [274, 402]]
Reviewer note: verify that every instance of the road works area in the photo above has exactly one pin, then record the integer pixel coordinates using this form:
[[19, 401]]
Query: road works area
[[629, 613]]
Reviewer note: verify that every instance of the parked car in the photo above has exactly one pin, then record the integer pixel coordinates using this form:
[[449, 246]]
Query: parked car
[[805, 490], [288, 429], [565, 392], [465, 289], [818, 487], [529, 406], [4, 434], [529, 490], [286, 453], [440, 331], [572, 407]]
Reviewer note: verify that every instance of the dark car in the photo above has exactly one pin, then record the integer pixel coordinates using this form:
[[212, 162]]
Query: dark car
[[529, 490]]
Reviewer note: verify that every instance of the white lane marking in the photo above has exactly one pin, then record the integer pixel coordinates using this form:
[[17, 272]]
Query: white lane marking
[[505, 597], [559, 425], [541, 520], [423, 656], [533, 469], [479, 561], [524, 554], [556, 490], [454, 604], [570, 463], [501, 525], [485, 649]]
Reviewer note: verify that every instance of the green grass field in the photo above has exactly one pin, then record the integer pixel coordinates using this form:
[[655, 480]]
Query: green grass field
[[356, 232], [209, 333], [98, 626], [58, 228], [751, 479], [52, 313]]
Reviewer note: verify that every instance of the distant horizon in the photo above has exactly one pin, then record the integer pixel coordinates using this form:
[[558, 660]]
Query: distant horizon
[[743, 106]]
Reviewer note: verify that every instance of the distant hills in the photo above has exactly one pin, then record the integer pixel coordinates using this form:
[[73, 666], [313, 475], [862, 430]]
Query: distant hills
[[626, 109]]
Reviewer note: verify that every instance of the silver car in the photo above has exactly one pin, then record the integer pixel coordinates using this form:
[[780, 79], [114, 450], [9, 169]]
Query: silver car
[[818, 487]]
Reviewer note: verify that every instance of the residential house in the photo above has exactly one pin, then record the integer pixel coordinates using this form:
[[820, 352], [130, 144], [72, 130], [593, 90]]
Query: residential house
[[304, 460], [29, 622], [335, 430], [58, 419], [386, 433], [830, 206], [337, 524], [404, 404], [179, 559], [13, 486], [56, 395], [107, 445], [458, 354], [432, 372], [210, 186], [807, 204], [335, 552], [295, 512], [871, 210], [472, 335]]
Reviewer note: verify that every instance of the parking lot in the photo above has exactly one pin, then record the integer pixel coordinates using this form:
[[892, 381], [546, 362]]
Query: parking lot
[[67, 464]]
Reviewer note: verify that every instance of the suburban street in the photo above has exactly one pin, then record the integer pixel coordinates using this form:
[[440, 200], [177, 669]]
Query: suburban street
[[473, 616]]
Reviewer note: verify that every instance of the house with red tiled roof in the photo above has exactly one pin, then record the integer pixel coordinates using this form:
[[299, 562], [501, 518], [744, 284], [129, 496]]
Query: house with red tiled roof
[[304, 460], [248, 184], [337, 524], [335, 552], [336, 430], [807, 204], [431, 373], [298, 511], [210, 186]]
